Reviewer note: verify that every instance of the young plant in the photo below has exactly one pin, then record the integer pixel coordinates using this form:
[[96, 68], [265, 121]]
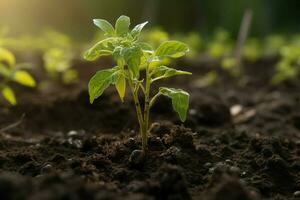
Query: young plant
[[10, 72], [58, 64], [132, 57], [221, 44], [58, 56], [252, 50], [288, 68]]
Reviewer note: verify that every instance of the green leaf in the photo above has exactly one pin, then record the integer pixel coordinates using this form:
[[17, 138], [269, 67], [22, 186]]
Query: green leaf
[[156, 62], [121, 86], [122, 25], [5, 71], [24, 78], [146, 47], [102, 48], [166, 72], [105, 26], [9, 95], [180, 100], [101, 80], [132, 56], [7, 57], [118, 53], [136, 31], [171, 49], [70, 76], [57, 60]]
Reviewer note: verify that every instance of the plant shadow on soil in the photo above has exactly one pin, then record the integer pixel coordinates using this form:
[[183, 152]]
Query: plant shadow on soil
[[238, 143]]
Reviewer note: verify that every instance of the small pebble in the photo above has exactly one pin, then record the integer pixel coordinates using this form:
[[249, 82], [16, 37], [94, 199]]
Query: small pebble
[[72, 133], [211, 170], [235, 170], [244, 174], [297, 194], [76, 143], [207, 165], [192, 111], [131, 139], [136, 158], [47, 169], [221, 165], [228, 161], [217, 142], [236, 109], [130, 142]]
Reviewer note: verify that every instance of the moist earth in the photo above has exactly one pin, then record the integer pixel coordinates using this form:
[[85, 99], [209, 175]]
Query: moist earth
[[241, 142]]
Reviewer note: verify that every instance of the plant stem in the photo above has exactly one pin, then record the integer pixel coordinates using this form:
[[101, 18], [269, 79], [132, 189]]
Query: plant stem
[[153, 100], [147, 102], [137, 104], [242, 37]]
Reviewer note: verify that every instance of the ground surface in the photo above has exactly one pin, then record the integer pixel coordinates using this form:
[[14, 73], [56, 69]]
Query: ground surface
[[241, 141]]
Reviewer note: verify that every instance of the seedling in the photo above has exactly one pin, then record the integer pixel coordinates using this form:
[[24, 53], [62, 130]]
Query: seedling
[[58, 56], [273, 44], [252, 51], [132, 57], [288, 68], [10, 72], [221, 45], [58, 63]]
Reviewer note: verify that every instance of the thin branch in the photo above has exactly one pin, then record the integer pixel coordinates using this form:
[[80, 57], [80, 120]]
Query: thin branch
[[142, 87], [153, 100], [11, 126], [243, 34]]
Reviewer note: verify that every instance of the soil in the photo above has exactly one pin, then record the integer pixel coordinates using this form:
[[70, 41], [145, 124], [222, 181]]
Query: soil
[[241, 142]]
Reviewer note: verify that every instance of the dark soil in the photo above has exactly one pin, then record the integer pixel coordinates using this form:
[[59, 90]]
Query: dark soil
[[241, 142]]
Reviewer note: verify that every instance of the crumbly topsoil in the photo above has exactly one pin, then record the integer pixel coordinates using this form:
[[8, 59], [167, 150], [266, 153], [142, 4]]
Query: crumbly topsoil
[[241, 141]]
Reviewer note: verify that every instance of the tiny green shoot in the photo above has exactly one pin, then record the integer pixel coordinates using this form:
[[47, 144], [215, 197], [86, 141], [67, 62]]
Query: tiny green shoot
[[58, 56], [134, 57], [288, 67]]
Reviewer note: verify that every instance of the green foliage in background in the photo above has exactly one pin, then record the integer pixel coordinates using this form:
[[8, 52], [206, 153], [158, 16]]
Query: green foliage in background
[[10, 72], [288, 68], [57, 49]]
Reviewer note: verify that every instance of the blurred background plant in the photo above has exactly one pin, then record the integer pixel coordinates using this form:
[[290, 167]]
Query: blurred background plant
[[73, 16], [56, 48], [209, 27], [10, 71], [288, 68]]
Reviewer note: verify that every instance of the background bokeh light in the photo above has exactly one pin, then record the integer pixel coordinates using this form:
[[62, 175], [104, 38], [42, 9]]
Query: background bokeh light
[[74, 16]]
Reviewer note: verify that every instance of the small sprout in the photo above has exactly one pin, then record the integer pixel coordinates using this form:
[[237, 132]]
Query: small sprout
[[273, 44], [10, 72], [288, 68], [221, 45], [206, 80], [252, 50], [58, 63], [230, 64], [134, 57], [58, 57]]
